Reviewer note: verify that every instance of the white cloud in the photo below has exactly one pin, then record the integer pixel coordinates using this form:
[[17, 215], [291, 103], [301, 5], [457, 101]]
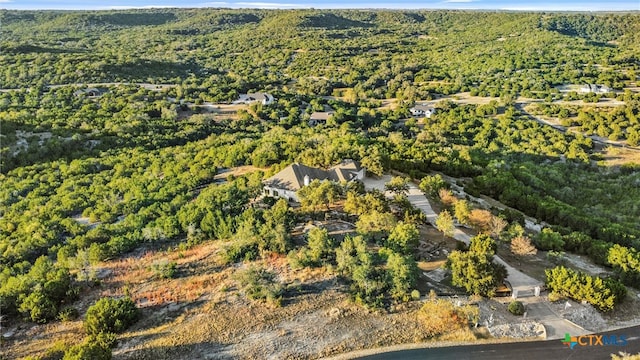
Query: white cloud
[[214, 3], [458, 1], [5, 1]]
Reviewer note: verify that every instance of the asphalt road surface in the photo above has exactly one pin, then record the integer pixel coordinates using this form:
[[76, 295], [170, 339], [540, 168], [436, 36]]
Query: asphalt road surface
[[546, 350]]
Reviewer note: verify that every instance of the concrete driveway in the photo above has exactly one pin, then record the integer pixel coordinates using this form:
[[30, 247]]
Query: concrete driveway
[[518, 280], [537, 308]]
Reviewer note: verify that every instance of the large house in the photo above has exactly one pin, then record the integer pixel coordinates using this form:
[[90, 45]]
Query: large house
[[263, 98], [90, 92], [595, 88], [420, 110], [319, 117], [294, 177]]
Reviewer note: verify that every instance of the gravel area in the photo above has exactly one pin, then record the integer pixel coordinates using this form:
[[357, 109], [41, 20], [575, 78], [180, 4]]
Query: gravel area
[[525, 329]]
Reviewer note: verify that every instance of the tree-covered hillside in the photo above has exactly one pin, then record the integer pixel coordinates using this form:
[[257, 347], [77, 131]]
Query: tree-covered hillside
[[90, 175], [380, 51]]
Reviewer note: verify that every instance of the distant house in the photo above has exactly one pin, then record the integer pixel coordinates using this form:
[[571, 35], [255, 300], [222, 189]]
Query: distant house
[[422, 110], [263, 98], [294, 177], [91, 92], [595, 88], [318, 118]]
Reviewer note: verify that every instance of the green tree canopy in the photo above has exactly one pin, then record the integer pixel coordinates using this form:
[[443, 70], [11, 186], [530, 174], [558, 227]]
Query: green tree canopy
[[475, 272], [398, 185], [431, 185], [404, 238], [444, 223], [376, 224]]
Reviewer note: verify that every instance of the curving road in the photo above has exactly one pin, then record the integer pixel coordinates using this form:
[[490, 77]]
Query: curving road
[[548, 350], [596, 139]]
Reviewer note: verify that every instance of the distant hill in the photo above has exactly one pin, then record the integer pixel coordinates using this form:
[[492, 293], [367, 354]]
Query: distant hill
[[62, 20], [198, 21], [590, 27]]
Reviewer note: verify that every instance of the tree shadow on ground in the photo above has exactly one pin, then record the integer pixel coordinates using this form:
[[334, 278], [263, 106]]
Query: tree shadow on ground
[[297, 293]]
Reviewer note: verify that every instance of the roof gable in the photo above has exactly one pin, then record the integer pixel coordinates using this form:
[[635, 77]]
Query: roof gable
[[292, 177]]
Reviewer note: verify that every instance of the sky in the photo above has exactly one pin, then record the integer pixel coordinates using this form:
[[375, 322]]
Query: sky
[[549, 5]]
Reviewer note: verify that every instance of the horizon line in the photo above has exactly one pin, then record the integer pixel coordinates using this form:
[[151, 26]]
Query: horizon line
[[279, 6]]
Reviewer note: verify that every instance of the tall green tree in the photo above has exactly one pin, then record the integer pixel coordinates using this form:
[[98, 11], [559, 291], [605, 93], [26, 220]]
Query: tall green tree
[[398, 185], [444, 223], [404, 238], [375, 224], [319, 193], [475, 272], [403, 272], [431, 185], [462, 210]]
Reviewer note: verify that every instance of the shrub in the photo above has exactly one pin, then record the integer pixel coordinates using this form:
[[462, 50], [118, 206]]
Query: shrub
[[242, 250], [164, 269], [550, 240], [88, 350], [483, 244], [55, 352], [480, 220], [376, 225], [415, 295], [521, 245], [447, 198], [68, 314], [39, 293], [554, 296], [625, 356], [556, 257], [626, 262], [516, 308], [441, 316], [462, 211], [39, 306], [604, 294], [260, 284], [398, 185], [109, 315]]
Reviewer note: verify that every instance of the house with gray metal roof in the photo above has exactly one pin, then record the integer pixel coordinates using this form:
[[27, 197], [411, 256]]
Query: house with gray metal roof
[[319, 117], [294, 177], [422, 110], [263, 98]]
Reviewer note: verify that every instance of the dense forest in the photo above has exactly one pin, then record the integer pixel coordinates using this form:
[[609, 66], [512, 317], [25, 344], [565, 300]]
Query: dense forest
[[137, 163]]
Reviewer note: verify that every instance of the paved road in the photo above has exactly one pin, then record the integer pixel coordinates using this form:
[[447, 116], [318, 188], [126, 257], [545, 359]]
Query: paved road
[[596, 139], [547, 350]]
